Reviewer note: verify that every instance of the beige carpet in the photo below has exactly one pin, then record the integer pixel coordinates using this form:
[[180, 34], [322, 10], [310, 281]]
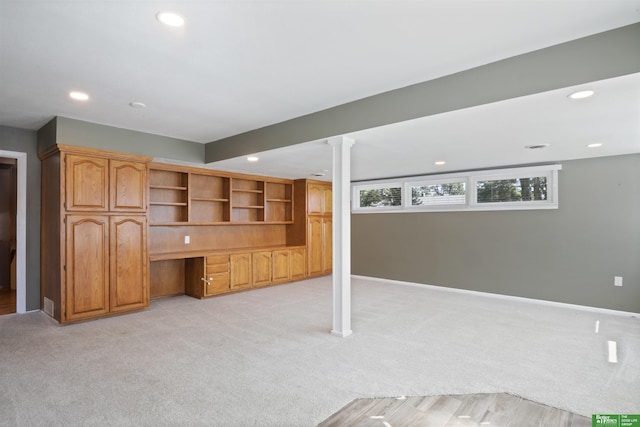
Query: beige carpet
[[266, 358]]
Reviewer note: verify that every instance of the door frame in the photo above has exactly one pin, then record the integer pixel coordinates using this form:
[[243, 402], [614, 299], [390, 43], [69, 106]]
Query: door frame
[[21, 228]]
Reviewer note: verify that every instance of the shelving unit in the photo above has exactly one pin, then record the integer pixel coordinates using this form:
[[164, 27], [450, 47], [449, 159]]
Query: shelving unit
[[247, 198], [193, 196], [209, 199], [168, 197], [279, 202]]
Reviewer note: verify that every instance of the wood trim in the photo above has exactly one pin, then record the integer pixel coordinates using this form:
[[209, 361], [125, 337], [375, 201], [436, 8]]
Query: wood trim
[[112, 155]]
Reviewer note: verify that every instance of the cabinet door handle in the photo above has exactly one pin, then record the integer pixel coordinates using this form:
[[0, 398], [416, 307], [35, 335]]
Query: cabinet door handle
[[206, 281]]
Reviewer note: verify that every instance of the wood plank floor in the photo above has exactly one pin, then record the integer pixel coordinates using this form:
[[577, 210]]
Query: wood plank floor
[[7, 301], [496, 410]]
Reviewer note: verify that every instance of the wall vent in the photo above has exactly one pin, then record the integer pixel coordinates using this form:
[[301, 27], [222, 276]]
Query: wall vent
[[48, 306]]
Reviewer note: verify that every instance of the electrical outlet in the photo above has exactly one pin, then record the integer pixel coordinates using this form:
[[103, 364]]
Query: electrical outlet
[[187, 240], [617, 281]]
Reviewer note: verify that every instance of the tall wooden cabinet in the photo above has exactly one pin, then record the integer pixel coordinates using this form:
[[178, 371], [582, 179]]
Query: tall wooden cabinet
[[94, 257], [313, 224]]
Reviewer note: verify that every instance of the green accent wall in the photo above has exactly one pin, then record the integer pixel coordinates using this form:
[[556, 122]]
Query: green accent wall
[[62, 130], [568, 255]]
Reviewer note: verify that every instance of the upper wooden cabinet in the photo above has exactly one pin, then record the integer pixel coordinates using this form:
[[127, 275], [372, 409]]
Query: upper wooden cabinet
[[97, 184], [319, 198], [87, 186], [128, 186]]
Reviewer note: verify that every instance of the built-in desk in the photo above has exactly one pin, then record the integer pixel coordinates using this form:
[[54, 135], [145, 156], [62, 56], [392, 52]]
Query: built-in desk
[[213, 272]]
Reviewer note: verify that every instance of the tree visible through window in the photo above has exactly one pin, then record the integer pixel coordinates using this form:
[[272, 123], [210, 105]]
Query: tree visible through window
[[391, 196], [512, 190]]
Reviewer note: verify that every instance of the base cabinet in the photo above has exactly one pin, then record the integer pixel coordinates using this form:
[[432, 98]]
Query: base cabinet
[[207, 276], [128, 276], [261, 265], [240, 268], [319, 244], [221, 273], [106, 265], [87, 268]]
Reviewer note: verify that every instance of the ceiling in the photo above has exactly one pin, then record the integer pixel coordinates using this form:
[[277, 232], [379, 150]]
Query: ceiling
[[244, 64]]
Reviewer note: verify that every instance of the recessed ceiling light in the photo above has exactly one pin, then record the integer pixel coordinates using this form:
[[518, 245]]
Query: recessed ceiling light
[[581, 94], [536, 146], [171, 19], [440, 163], [79, 96], [594, 145], [252, 159], [137, 104], [318, 174]]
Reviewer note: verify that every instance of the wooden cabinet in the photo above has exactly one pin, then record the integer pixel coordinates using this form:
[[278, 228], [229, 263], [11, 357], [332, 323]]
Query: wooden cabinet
[[216, 274], [128, 278], [87, 183], [288, 265], [240, 268], [313, 224], [87, 268], [94, 233], [207, 276], [97, 184], [298, 264], [261, 264], [128, 185], [319, 245], [281, 263], [319, 198]]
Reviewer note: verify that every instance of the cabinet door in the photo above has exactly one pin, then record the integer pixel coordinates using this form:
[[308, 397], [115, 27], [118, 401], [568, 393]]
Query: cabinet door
[[327, 206], [261, 268], [315, 198], [319, 198], [128, 282], [240, 269], [327, 245], [298, 261], [217, 275], [128, 184], [87, 182], [281, 261], [87, 266], [315, 238]]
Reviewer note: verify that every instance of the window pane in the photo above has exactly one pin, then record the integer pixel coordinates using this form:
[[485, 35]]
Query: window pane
[[512, 190], [438, 194], [377, 197]]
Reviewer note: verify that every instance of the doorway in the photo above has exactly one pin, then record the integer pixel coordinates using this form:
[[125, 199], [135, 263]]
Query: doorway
[[20, 257], [8, 240]]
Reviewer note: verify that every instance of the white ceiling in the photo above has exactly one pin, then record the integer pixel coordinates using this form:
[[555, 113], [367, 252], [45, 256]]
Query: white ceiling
[[243, 64]]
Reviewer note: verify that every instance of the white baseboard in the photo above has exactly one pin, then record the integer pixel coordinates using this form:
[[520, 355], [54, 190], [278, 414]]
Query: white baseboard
[[503, 297]]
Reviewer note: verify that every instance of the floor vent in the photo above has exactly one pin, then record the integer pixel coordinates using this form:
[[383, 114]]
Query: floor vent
[[48, 306]]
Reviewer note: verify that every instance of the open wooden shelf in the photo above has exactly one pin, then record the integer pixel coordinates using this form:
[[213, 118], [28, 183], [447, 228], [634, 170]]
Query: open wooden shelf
[[190, 196]]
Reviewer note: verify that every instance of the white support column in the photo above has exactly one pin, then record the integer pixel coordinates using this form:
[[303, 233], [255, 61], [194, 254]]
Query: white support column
[[341, 235]]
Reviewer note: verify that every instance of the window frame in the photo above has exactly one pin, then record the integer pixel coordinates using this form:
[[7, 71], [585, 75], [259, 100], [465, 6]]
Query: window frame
[[409, 184], [471, 179], [377, 186]]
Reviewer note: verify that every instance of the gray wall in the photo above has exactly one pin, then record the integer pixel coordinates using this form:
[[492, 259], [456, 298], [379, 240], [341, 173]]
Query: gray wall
[[567, 255], [62, 130], [24, 141]]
